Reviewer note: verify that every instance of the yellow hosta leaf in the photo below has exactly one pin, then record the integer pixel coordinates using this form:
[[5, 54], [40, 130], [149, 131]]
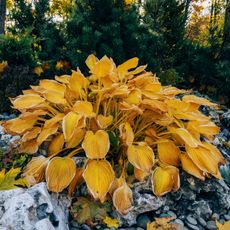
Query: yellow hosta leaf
[[69, 123], [103, 67], [126, 133], [204, 160], [197, 100], [27, 101], [63, 79], [30, 147], [8, 181], [185, 136], [141, 156], [77, 82], [190, 167], [35, 169], [111, 223], [104, 121], [46, 132], [138, 70], [18, 125], [31, 134], [215, 153], [52, 85], [168, 153], [54, 120], [98, 176], [91, 61], [77, 137], [225, 226], [38, 70], [78, 179], [84, 108], [56, 144], [123, 68], [123, 199], [165, 179], [59, 173], [139, 174], [134, 97], [155, 105], [207, 128], [54, 97], [33, 114], [97, 145]]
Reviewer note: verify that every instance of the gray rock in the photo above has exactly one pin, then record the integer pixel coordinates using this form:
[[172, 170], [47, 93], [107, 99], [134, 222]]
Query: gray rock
[[143, 220], [191, 220], [172, 214], [178, 221], [202, 221], [211, 225], [32, 209], [191, 226], [216, 216], [227, 217], [85, 227]]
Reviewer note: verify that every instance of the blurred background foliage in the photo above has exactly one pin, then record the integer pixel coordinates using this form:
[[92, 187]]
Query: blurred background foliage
[[185, 42]]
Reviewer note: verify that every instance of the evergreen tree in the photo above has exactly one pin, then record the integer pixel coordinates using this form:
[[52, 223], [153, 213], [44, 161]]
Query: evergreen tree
[[104, 27]]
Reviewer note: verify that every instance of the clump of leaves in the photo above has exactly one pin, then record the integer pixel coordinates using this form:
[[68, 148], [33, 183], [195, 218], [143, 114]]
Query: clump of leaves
[[163, 223], [116, 116]]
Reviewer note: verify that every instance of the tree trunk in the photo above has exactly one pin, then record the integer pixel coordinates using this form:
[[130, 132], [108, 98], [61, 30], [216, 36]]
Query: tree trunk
[[225, 51], [2, 16]]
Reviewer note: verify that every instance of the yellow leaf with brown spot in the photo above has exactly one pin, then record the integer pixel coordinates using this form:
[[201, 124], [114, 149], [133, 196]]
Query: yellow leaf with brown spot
[[97, 145], [27, 101], [35, 169], [104, 121], [203, 160], [126, 133], [46, 132], [185, 136], [69, 123], [98, 176], [59, 173], [168, 153], [139, 174], [189, 167], [141, 156], [31, 134], [165, 179], [3, 66], [84, 108], [30, 147], [56, 144], [123, 199]]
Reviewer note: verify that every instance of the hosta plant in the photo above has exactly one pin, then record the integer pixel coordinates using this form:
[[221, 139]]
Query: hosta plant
[[118, 117]]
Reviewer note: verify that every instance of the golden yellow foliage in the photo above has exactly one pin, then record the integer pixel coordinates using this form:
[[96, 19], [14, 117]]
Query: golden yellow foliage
[[115, 116]]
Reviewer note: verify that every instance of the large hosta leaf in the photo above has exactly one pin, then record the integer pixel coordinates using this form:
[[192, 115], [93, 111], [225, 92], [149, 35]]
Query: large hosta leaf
[[141, 156], [46, 132], [59, 173], [99, 176], [96, 145], [168, 153], [69, 123], [27, 101], [84, 108], [56, 144], [165, 179]]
